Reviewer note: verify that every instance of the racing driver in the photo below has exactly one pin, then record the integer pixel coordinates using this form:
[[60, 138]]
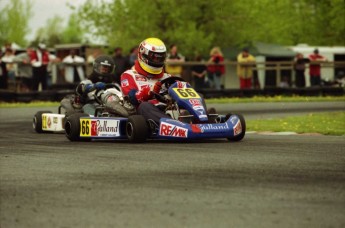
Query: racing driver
[[144, 78], [95, 86]]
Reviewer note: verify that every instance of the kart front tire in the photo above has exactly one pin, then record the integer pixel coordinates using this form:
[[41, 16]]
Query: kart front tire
[[137, 129], [242, 134], [37, 121], [72, 127]]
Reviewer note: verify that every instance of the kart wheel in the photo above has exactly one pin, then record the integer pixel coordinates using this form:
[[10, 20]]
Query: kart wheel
[[137, 129], [72, 127], [37, 121], [243, 123]]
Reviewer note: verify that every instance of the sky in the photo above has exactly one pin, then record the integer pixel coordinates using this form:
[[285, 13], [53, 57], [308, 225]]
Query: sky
[[45, 9], [42, 10]]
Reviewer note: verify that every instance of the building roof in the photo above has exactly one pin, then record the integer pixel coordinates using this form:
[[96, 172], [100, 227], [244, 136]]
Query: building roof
[[261, 49]]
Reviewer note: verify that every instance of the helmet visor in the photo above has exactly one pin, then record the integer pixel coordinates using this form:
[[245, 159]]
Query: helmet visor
[[104, 68], [156, 59]]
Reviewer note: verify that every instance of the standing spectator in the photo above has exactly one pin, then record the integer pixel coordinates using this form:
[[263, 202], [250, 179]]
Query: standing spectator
[[121, 63], [199, 73], [133, 55], [299, 67], [174, 57], [7, 66], [216, 69], [245, 63], [39, 60], [74, 67], [315, 68], [24, 69]]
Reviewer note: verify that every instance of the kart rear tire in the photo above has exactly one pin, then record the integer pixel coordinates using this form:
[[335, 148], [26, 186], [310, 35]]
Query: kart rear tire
[[243, 123], [137, 129], [37, 121], [72, 127]]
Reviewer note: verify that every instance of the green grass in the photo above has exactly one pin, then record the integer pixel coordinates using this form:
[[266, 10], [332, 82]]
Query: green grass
[[31, 104], [323, 123], [274, 99], [208, 101]]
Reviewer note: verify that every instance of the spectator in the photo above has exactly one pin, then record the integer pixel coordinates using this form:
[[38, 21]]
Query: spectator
[[121, 63], [299, 67], [95, 53], [7, 67], [245, 68], [199, 73], [24, 70], [39, 60], [216, 69], [133, 55], [315, 68], [174, 57], [74, 67]]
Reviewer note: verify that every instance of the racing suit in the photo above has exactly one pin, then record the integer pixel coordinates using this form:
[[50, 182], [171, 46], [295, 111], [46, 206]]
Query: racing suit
[[138, 85]]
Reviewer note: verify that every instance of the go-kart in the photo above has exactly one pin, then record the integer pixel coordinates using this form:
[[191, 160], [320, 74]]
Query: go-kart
[[186, 108], [109, 102]]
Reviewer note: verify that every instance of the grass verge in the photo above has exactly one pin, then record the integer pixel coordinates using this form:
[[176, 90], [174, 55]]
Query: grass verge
[[274, 99], [323, 123], [208, 101]]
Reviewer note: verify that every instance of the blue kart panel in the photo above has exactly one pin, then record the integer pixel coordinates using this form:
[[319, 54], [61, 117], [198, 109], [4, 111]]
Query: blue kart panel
[[174, 129]]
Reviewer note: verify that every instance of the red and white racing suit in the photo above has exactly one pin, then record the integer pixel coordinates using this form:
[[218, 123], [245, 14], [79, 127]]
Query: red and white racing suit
[[137, 84]]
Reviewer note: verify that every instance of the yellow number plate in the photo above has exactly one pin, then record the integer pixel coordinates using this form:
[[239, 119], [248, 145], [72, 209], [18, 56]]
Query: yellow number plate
[[186, 93], [85, 127]]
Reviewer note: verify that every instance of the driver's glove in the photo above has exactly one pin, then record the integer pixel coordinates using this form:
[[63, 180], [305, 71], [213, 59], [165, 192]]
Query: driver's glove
[[99, 86], [144, 94]]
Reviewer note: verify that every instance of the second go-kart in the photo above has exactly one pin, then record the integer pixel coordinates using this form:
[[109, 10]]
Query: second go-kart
[[109, 102], [189, 119]]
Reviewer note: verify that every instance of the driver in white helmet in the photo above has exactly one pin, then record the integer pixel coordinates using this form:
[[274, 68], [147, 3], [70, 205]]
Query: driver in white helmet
[[143, 80]]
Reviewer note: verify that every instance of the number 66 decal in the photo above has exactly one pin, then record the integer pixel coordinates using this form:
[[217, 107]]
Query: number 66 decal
[[186, 93]]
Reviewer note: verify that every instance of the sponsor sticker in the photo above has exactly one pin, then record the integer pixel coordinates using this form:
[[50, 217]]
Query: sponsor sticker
[[140, 78], [195, 102], [213, 127], [124, 83], [195, 128], [99, 128], [49, 122], [237, 128], [171, 130], [55, 120]]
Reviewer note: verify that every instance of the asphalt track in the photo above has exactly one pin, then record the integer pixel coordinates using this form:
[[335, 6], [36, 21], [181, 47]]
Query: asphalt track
[[262, 181]]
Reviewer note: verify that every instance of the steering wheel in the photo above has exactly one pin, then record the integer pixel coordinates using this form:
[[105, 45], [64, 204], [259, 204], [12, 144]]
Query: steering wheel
[[167, 82]]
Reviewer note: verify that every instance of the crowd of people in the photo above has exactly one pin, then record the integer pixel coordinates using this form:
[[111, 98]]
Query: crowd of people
[[32, 67]]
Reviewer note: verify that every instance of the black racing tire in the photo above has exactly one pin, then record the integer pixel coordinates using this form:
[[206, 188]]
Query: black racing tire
[[72, 127], [243, 123], [137, 129], [37, 121]]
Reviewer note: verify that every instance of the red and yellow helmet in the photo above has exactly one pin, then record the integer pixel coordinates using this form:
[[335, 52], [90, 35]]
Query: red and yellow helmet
[[151, 55]]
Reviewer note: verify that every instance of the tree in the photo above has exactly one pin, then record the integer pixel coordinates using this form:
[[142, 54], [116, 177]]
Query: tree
[[54, 32], [196, 26], [50, 34], [72, 33], [14, 19]]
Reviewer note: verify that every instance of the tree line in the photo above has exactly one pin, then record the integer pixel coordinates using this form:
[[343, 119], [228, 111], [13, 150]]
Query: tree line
[[196, 26]]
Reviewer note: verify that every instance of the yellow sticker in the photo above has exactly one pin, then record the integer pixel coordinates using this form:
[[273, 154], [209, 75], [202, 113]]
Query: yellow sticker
[[44, 121], [85, 127], [186, 93]]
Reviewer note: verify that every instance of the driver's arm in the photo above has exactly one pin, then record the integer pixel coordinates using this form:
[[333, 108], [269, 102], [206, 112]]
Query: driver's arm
[[130, 88]]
